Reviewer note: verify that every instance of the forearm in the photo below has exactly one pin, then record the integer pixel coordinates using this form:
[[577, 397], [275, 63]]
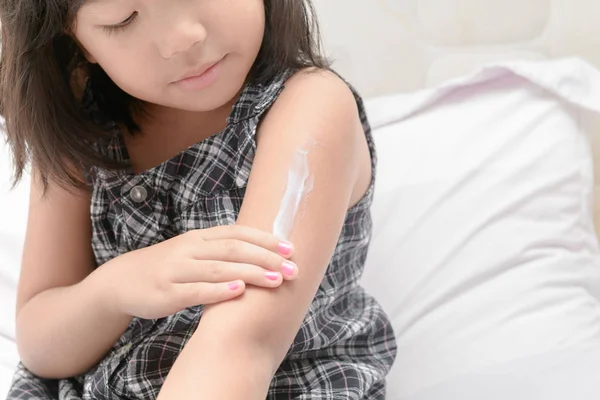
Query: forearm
[[63, 332], [220, 367]]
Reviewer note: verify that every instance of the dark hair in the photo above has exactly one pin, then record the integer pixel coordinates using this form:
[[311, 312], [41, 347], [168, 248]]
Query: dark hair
[[40, 63]]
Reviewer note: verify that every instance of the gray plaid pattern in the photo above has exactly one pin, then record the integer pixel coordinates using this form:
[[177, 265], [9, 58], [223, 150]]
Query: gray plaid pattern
[[345, 345]]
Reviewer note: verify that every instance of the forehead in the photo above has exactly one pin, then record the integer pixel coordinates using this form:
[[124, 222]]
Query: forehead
[[98, 2], [102, 3]]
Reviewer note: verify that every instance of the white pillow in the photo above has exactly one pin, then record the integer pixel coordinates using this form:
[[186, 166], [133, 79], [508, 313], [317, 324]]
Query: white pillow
[[484, 250]]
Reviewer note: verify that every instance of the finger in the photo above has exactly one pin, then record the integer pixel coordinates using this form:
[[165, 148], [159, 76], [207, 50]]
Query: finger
[[251, 235], [221, 271], [194, 294], [237, 251]]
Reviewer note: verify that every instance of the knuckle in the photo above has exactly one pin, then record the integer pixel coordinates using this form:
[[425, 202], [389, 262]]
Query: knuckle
[[191, 236], [215, 271], [246, 233], [168, 296], [195, 236], [224, 231], [169, 273], [274, 260], [180, 244], [163, 287], [183, 297], [231, 229], [271, 260], [231, 247], [250, 272]]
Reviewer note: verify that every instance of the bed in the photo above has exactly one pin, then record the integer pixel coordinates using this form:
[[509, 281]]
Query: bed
[[454, 341], [418, 63]]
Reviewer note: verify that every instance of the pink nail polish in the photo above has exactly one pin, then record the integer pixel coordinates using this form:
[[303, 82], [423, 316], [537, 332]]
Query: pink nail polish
[[288, 268], [234, 286], [285, 248], [273, 276]]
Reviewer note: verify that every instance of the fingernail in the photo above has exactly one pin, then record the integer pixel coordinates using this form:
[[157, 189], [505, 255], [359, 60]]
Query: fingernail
[[288, 268], [234, 286], [272, 276], [285, 248]]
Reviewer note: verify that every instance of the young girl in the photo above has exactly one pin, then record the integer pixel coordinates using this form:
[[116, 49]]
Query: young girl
[[166, 138]]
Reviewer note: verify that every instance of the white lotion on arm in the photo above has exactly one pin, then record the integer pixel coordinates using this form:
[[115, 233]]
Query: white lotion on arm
[[299, 185]]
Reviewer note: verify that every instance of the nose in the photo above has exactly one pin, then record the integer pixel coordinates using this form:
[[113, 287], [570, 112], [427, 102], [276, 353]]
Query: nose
[[179, 36]]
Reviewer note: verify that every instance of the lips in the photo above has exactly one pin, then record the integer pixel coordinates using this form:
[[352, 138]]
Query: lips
[[198, 72], [200, 78]]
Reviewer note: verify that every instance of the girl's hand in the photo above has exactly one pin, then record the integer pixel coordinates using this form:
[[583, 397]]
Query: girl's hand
[[198, 267]]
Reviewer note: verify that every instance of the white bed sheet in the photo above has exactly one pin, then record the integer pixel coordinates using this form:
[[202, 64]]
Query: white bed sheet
[[573, 374]]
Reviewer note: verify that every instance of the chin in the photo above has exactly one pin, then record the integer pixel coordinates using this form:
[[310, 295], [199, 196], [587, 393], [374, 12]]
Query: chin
[[202, 103], [209, 99]]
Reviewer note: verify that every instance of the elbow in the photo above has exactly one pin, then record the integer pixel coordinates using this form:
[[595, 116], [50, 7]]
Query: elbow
[[33, 354], [35, 365], [37, 352]]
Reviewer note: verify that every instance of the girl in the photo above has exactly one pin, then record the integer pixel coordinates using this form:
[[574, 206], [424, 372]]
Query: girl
[[165, 138]]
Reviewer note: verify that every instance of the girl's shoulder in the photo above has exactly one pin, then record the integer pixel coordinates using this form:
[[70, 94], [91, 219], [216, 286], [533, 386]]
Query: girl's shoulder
[[258, 97]]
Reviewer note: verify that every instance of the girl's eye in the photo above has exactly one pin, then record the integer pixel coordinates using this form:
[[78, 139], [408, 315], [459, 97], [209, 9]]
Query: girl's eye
[[121, 25]]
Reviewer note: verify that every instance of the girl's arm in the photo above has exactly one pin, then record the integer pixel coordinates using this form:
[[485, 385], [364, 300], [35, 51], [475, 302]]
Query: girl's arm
[[70, 314], [63, 324], [239, 345]]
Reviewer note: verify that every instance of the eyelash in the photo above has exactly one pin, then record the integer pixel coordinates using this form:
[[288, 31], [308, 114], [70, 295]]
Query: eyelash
[[110, 29]]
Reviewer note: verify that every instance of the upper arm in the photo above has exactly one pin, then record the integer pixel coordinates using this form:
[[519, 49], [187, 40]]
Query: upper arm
[[57, 249], [316, 112]]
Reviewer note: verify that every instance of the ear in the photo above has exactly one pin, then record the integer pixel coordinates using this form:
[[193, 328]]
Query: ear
[[89, 57]]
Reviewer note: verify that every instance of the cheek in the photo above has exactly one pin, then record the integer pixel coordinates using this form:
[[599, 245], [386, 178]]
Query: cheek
[[246, 23], [122, 69], [128, 73], [123, 66]]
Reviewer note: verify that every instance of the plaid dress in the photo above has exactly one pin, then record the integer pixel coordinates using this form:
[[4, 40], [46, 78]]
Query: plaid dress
[[345, 345]]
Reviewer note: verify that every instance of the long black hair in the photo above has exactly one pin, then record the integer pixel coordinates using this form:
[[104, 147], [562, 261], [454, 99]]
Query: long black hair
[[41, 65]]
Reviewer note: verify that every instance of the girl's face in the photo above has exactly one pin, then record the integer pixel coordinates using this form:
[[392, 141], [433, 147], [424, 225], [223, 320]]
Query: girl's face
[[187, 54]]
